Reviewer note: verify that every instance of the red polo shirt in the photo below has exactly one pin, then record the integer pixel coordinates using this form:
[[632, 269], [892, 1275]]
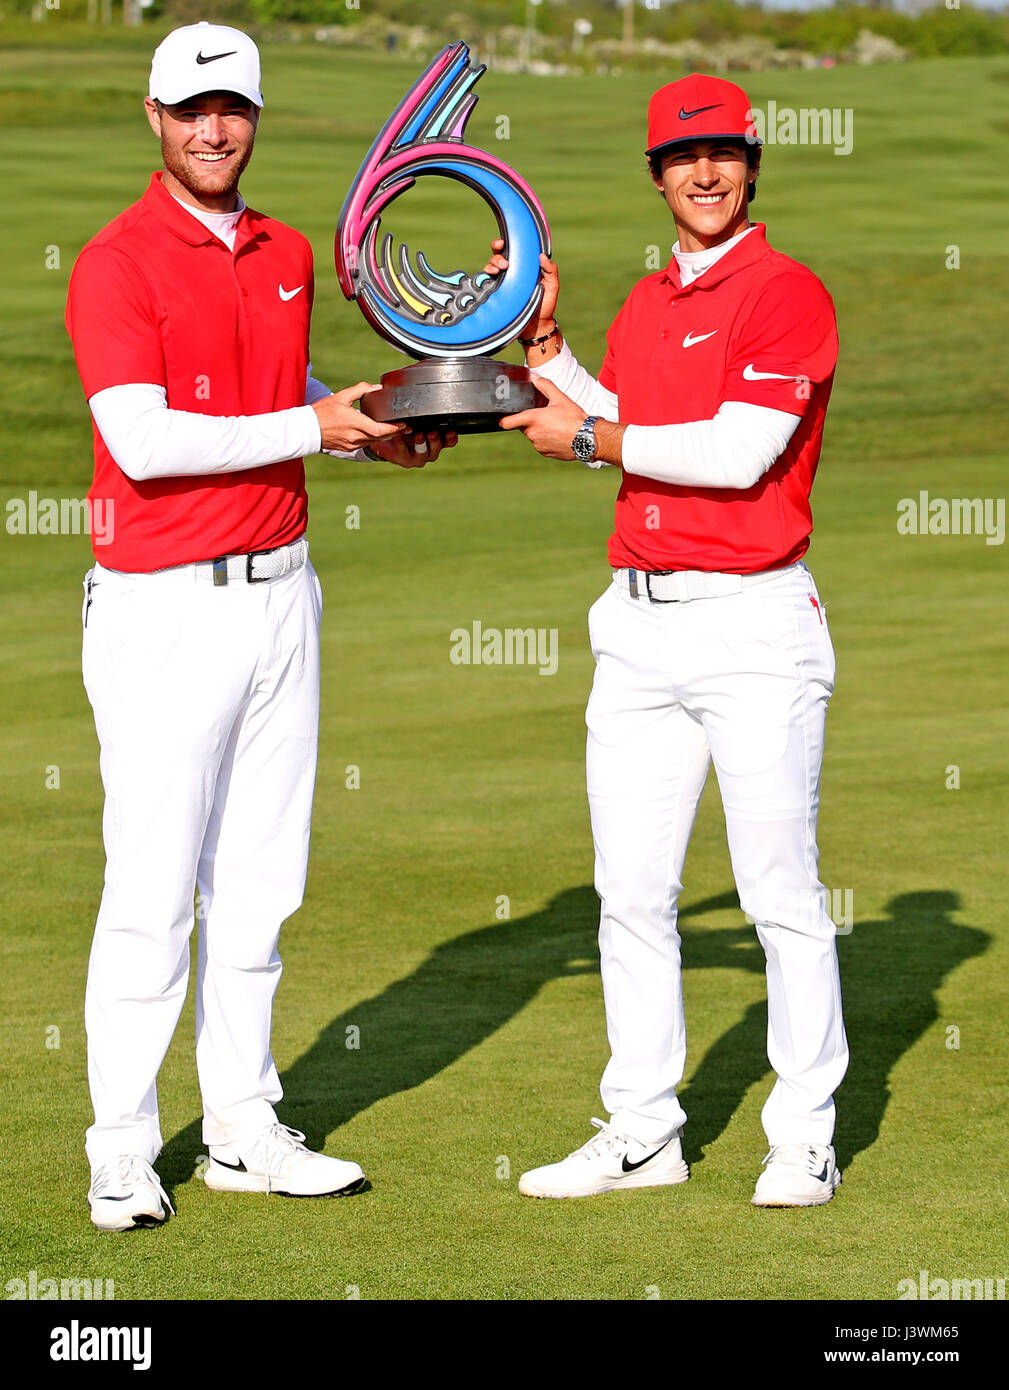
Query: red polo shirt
[[756, 327], [155, 297]]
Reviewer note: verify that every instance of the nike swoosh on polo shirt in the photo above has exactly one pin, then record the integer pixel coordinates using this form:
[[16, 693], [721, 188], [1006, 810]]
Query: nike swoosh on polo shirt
[[751, 374], [289, 294], [690, 339]]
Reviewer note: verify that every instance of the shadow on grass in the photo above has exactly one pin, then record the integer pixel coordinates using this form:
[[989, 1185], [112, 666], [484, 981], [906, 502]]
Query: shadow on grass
[[471, 986], [463, 992], [891, 970]]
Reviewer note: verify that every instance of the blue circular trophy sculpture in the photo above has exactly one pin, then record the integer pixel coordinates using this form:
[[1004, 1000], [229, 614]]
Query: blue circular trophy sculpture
[[451, 322]]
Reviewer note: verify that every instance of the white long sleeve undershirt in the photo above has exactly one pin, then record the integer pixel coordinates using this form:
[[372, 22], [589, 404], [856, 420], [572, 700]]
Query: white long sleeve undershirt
[[148, 440], [569, 376], [734, 449]]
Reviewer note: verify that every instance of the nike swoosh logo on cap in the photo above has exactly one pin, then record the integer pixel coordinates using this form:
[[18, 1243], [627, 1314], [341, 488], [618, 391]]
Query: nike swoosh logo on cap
[[751, 374], [630, 1167], [686, 115], [214, 56], [690, 340], [289, 294]]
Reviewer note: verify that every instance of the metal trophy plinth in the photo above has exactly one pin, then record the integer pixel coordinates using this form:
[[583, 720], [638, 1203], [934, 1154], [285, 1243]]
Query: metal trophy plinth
[[451, 321], [465, 394]]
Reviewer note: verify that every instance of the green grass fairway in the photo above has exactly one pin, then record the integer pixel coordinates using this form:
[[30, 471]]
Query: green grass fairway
[[481, 1027]]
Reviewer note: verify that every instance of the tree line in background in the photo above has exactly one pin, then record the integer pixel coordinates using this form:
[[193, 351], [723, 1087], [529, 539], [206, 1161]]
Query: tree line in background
[[561, 30]]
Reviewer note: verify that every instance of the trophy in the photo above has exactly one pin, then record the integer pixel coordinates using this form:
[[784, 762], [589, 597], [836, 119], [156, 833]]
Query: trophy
[[450, 322]]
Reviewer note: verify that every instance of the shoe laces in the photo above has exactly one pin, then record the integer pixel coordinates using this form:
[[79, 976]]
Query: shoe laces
[[607, 1139], [125, 1171], [274, 1147], [806, 1156]]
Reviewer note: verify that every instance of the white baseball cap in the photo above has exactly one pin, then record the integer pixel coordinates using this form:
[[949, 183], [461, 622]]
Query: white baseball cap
[[205, 58]]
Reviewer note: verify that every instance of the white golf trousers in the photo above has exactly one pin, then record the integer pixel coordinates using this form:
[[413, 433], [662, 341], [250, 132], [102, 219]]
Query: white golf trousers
[[206, 704], [742, 680]]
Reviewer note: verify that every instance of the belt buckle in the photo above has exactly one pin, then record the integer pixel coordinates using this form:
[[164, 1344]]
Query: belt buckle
[[250, 578], [649, 575]]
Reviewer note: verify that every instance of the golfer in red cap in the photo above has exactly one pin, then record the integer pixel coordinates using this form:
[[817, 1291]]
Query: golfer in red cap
[[711, 645]]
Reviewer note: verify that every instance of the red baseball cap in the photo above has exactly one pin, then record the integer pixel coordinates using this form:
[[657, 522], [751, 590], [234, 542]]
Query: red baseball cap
[[699, 107]]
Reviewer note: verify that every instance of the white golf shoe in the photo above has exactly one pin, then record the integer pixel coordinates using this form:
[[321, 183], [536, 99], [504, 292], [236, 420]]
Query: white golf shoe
[[797, 1175], [277, 1160], [607, 1162], [126, 1192]]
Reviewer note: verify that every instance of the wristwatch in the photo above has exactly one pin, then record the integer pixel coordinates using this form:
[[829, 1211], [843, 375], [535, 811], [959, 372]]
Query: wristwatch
[[583, 446]]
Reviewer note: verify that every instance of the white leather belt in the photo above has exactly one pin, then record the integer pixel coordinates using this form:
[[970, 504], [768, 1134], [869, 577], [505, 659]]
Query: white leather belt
[[256, 568], [678, 586]]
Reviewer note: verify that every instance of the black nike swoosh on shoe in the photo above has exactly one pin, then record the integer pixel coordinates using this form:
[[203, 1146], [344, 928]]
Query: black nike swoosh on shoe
[[822, 1177], [115, 1199], [214, 56], [238, 1167], [630, 1167], [684, 115]]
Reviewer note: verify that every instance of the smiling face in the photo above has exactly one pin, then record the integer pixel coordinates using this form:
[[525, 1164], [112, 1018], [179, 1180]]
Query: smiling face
[[206, 142], [705, 184]]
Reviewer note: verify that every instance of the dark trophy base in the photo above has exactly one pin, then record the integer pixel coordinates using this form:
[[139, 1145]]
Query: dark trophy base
[[465, 394]]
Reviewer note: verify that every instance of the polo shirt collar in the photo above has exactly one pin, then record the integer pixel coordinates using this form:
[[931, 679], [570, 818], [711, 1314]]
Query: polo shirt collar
[[181, 223], [745, 252]]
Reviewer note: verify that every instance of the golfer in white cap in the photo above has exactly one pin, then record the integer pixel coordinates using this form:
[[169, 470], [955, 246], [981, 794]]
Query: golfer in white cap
[[190, 316]]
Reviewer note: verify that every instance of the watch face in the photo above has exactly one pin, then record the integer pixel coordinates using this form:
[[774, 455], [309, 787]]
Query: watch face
[[583, 446]]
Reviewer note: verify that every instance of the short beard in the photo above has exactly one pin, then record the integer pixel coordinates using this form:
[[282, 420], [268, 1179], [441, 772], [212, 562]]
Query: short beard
[[178, 167]]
